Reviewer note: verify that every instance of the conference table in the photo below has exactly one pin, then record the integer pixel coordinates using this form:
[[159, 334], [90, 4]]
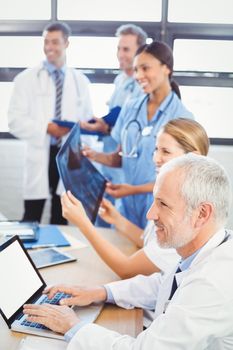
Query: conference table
[[88, 270]]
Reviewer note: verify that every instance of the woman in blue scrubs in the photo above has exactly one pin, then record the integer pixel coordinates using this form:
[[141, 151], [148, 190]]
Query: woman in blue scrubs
[[137, 127]]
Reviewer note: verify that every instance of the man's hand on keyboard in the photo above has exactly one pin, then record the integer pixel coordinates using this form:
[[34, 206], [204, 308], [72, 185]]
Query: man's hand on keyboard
[[79, 296], [57, 318]]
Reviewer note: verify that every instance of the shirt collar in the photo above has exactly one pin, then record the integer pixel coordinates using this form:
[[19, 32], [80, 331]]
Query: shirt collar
[[166, 102], [215, 241], [185, 263], [51, 68]]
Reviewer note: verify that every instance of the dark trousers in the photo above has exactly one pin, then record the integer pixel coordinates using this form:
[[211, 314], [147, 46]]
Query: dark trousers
[[34, 208]]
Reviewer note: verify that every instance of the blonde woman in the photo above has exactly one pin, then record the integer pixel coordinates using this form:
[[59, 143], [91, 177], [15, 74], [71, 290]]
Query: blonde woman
[[176, 138]]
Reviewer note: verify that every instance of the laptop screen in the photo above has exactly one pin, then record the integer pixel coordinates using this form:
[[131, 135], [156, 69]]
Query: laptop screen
[[19, 279], [79, 175]]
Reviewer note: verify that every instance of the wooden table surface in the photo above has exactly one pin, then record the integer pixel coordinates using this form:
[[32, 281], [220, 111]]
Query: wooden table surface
[[89, 270]]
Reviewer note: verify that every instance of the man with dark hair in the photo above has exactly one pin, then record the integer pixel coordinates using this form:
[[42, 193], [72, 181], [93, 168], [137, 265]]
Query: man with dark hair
[[58, 26], [42, 94]]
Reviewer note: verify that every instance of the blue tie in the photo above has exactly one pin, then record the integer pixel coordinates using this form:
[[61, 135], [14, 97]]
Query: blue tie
[[59, 86]]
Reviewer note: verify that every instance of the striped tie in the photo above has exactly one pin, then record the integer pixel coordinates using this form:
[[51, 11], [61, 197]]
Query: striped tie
[[59, 86]]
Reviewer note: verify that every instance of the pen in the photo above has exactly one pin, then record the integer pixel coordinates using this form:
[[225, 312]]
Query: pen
[[38, 246]]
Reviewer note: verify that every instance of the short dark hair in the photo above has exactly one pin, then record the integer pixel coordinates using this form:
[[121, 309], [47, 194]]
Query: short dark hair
[[58, 26], [132, 29]]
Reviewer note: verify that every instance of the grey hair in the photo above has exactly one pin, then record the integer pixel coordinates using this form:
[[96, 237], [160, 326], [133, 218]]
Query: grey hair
[[132, 29], [204, 180]]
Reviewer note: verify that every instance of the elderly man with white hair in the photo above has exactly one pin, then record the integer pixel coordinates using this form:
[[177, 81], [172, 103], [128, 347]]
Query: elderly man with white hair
[[193, 303]]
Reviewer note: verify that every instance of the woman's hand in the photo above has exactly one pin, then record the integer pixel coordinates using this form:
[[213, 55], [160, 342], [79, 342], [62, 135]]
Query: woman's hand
[[109, 213], [98, 125], [73, 211], [90, 153], [119, 190]]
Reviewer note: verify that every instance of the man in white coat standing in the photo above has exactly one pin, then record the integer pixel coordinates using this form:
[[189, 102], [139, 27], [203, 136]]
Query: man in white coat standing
[[193, 303], [41, 94]]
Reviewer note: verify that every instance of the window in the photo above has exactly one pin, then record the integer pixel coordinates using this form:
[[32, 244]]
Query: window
[[25, 9], [16, 51], [199, 11], [203, 55], [92, 52], [100, 94], [5, 93], [212, 107], [105, 10]]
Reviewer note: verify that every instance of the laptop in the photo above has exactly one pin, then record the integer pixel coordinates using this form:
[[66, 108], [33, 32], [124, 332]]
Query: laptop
[[79, 175], [21, 283]]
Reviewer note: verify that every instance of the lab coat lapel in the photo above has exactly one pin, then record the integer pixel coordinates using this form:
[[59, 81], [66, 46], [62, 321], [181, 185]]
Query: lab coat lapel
[[165, 288], [214, 242]]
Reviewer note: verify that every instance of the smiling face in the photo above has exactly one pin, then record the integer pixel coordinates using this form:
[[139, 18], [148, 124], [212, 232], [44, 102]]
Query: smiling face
[[126, 49], [55, 45], [174, 227], [166, 149], [150, 73]]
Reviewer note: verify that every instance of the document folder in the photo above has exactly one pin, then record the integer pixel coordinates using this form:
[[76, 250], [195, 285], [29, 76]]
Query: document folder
[[49, 236]]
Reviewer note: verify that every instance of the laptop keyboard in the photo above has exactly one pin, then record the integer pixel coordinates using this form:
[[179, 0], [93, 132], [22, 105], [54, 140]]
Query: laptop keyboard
[[54, 301]]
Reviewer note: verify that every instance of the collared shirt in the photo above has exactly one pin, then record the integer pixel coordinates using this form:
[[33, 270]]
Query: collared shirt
[[185, 263], [51, 69]]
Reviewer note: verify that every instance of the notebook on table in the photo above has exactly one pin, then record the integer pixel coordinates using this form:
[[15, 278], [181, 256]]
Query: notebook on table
[[79, 175], [21, 283]]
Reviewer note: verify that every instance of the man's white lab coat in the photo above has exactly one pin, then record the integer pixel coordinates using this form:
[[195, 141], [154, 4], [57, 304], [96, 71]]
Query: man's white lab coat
[[32, 107], [199, 317]]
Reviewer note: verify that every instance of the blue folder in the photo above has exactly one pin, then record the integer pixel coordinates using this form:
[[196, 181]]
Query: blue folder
[[110, 119], [48, 236]]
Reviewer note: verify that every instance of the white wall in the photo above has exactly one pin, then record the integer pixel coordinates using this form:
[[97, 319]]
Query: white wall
[[12, 154], [224, 155], [11, 176]]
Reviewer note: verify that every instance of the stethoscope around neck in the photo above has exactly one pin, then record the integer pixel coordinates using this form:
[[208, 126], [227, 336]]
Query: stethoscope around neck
[[140, 132]]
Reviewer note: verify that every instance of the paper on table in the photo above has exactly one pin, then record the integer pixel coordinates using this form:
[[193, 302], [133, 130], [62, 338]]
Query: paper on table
[[75, 243], [38, 343]]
